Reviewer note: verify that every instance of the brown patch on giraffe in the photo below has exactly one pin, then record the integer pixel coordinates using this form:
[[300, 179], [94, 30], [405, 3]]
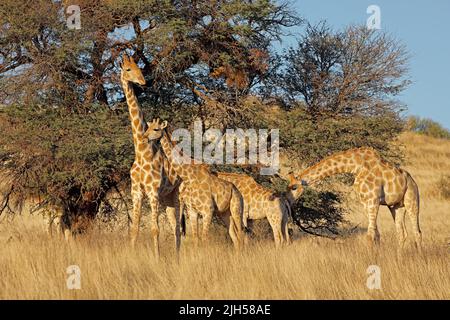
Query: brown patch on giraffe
[[389, 175], [364, 188], [377, 172], [142, 147], [134, 113]]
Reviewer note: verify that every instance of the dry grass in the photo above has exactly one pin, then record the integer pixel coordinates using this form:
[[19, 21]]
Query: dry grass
[[33, 266]]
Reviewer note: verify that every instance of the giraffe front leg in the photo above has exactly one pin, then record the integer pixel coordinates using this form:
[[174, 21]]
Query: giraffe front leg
[[373, 234], [207, 219], [136, 196], [154, 225], [193, 218], [276, 225]]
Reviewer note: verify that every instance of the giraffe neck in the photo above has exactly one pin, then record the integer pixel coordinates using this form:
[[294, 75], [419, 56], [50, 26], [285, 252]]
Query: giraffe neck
[[138, 125], [168, 149], [339, 163]]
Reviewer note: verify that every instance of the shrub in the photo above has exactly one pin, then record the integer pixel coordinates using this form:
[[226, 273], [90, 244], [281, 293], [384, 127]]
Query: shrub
[[71, 159], [427, 127]]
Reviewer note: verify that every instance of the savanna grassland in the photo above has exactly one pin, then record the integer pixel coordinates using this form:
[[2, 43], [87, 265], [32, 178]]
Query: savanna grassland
[[33, 265]]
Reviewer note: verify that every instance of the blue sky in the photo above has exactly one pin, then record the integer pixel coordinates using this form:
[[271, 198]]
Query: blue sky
[[423, 26]]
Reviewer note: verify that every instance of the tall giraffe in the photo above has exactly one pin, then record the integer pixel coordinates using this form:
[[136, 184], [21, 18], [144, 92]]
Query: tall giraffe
[[201, 191], [376, 182], [260, 203], [151, 173]]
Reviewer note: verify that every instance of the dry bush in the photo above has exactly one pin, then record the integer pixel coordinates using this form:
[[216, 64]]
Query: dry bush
[[443, 186]]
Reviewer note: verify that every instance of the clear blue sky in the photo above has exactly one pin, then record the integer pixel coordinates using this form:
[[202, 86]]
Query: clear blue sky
[[423, 26]]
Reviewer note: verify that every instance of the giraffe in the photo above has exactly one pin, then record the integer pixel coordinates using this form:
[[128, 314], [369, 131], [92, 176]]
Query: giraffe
[[260, 203], [376, 183], [201, 191], [151, 174]]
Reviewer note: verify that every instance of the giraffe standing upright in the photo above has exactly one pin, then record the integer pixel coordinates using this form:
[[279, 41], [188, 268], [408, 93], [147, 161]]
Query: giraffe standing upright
[[201, 191], [260, 203], [151, 173], [376, 182]]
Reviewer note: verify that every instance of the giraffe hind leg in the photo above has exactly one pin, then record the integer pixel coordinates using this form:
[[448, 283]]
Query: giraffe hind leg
[[276, 225], [412, 211], [236, 212], [398, 214]]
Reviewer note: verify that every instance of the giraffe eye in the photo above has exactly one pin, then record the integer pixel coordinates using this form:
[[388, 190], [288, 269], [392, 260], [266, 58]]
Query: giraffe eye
[[128, 69], [294, 187]]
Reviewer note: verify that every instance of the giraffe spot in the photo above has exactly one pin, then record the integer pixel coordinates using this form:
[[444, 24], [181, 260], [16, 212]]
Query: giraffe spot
[[146, 167], [134, 113], [147, 154], [389, 175], [377, 172], [364, 188], [142, 147], [391, 186]]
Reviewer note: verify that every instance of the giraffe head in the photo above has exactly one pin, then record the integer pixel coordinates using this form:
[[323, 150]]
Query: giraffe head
[[155, 129], [296, 186], [130, 71]]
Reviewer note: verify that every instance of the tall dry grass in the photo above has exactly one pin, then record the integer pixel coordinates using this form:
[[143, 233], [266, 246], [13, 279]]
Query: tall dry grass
[[33, 266]]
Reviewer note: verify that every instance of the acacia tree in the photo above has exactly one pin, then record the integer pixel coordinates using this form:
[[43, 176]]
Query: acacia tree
[[66, 134]]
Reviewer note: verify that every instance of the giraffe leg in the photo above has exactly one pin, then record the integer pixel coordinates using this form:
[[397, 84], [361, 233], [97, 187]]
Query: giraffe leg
[[136, 195], [399, 217], [174, 221], [229, 223], [276, 225], [207, 219], [154, 224], [372, 230], [193, 218], [285, 229], [236, 211], [412, 210]]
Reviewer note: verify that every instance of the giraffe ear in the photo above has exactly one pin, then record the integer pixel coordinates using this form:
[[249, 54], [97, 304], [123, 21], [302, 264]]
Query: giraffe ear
[[164, 124]]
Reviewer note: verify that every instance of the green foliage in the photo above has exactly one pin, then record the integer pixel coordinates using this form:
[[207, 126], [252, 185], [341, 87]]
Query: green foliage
[[312, 140], [69, 158], [427, 127], [318, 212]]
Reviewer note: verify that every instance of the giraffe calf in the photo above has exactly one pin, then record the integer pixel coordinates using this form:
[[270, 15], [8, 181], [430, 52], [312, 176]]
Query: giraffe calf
[[260, 203]]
